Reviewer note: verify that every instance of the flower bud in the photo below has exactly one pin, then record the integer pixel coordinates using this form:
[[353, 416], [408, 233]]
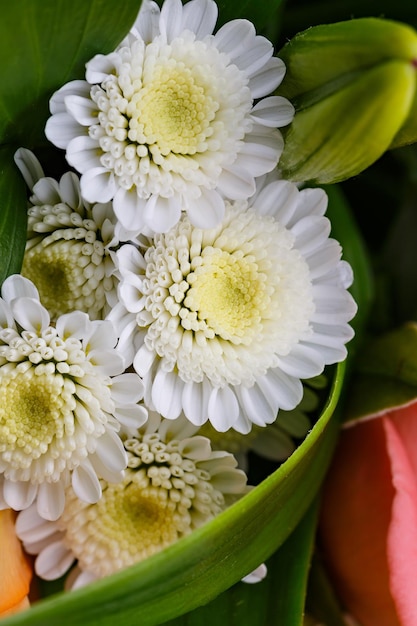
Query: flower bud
[[353, 86]]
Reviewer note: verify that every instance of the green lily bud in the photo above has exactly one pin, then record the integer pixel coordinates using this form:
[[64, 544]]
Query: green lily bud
[[353, 85]]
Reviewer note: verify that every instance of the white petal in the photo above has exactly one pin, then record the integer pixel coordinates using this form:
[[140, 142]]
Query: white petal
[[260, 151], [126, 388], [73, 324], [161, 214], [147, 24], [74, 87], [207, 211], [17, 286], [51, 500], [46, 191], [255, 56], [131, 417], [267, 79], [324, 259], [19, 495], [200, 17], [255, 405], [333, 305], [279, 199], [29, 166], [274, 112], [6, 316], [98, 185], [69, 190], [143, 360], [196, 448], [103, 336], [256, 576], [281, 390], [302, 362], [30, 314], [129, 209], [310, 202], [170, 22], [195, 397], [82, 153], [83, 110], [234, 37], [311, 233], [61, 129], [85, 483], [111, 451], [99, 67], [236, 183], [54, 561], [223, 408], [31, 527], [166, 394], [105, 472], [78, 579]]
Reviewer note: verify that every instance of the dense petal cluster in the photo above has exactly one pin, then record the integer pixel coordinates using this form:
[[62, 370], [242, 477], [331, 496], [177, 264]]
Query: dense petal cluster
[[223, 323], [174, 483], [167, 122], [70, 244], [63, 398]]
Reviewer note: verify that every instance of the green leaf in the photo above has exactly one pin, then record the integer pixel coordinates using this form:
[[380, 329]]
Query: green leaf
[[13, 208], [44, 44], [264, 15], [278, 599], [386, 374], [346, 230], [197, 568]]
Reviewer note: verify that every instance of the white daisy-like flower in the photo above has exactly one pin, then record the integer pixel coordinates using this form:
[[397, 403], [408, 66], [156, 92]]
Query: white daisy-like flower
[[175, 119], [174, 483], [223, 323], [70, 243], [63, 398]]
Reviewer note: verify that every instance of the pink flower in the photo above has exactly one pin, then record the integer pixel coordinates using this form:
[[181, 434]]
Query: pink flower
[[369, 519]]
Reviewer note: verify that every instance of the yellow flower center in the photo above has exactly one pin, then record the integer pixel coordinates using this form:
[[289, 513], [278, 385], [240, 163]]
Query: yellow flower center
[[172, 113], [229, 294], [31, 414], [128, 524]]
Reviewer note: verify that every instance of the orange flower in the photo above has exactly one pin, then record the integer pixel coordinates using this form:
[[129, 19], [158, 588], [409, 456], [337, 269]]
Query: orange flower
[[369, 519], [15, 570]]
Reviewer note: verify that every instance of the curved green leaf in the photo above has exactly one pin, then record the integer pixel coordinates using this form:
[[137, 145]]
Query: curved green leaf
[[44, 44], [13, 216], [278, 599]]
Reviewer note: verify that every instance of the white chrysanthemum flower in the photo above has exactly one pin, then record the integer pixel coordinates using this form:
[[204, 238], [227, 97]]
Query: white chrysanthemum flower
[[174, 483], [167, 122], [223, 323], [63, 398], [70, 244]]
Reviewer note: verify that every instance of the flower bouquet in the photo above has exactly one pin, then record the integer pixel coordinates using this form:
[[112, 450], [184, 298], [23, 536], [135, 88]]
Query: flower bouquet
[[194, 310]]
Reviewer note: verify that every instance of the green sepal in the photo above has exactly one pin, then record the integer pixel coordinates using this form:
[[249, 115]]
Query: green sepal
[[386, 374], [352, 84]]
